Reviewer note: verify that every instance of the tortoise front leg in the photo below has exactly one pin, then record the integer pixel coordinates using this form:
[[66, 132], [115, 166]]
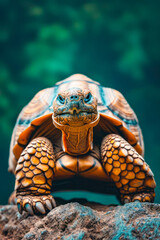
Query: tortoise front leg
[[34, 174], [129, 171]]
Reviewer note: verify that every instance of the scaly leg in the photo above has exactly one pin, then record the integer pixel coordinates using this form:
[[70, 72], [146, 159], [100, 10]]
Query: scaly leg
[[129, 171], [34, 174]]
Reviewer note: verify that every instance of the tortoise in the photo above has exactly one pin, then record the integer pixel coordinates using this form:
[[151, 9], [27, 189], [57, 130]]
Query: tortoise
[[78, 129]]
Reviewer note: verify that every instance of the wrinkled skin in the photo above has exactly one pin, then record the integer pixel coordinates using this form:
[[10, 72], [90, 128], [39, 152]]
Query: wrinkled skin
[[75, 107]]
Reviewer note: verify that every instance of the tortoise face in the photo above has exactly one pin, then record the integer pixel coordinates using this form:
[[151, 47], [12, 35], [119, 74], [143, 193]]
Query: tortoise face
[[75, 107]]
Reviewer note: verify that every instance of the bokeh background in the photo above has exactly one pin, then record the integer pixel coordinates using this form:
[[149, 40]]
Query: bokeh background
[[113, 42]]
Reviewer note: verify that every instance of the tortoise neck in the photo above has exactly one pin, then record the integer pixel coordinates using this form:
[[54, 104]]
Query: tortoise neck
[[77, 140]]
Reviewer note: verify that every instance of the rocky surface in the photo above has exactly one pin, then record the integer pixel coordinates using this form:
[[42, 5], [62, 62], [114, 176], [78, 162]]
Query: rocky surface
[[83, 221]]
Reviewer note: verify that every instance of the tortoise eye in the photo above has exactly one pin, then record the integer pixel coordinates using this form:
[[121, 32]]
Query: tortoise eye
[[60, 99], [88, 98]]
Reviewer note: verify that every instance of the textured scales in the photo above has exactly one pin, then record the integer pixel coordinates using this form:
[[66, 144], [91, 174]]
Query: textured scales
[[39, 158], [127, 168], [34, 175]]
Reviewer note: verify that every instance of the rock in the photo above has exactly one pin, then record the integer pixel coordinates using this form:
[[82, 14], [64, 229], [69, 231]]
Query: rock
[[88, 221]]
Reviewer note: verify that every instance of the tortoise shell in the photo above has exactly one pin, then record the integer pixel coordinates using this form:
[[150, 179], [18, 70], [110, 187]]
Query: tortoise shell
[[116, 116]]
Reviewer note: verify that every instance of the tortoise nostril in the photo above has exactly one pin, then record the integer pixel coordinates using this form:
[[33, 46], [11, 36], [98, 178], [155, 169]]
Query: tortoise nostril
[[74, 97]]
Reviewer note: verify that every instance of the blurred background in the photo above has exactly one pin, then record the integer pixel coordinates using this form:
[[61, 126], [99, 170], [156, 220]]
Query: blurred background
[[113, 42]]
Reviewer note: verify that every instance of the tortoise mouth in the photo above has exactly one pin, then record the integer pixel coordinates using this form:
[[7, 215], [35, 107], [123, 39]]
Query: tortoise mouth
[[75, 112], [75, 118]]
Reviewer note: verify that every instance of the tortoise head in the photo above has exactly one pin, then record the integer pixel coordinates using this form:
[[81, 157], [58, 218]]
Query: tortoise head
[[75, 107]]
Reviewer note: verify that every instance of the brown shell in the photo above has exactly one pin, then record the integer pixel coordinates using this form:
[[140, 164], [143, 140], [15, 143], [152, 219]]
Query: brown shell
[[116, 116]]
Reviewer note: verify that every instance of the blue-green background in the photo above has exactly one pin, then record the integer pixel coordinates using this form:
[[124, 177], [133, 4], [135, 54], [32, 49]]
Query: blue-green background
[[113, 42]]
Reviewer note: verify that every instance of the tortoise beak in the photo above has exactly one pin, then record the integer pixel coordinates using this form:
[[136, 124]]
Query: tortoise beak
[[74, 108]]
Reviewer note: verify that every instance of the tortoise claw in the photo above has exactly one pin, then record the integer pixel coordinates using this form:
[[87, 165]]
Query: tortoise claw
[[143, 197], [40, 208], [29, 209], [53, 202], [138, 197], [48, 204], [20, 210], [35, 204]]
